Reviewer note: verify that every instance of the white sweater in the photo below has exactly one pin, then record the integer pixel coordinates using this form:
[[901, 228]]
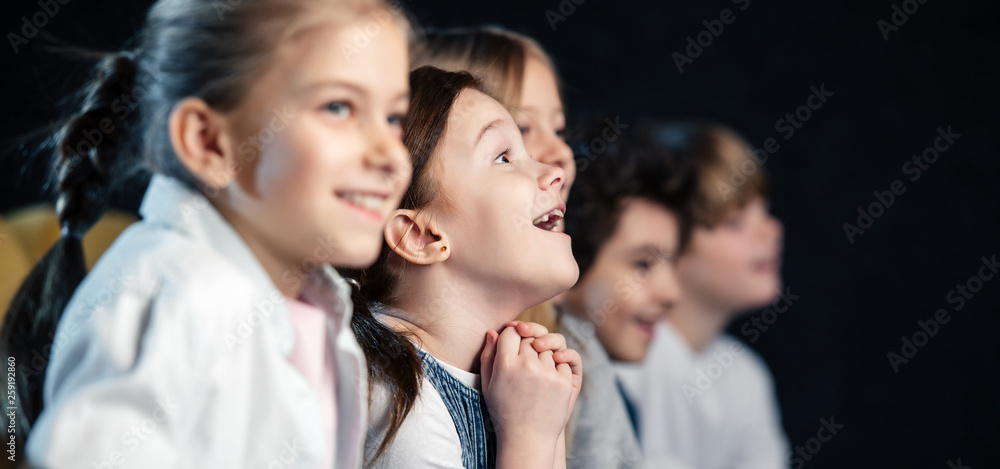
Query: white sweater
[[710, 410]]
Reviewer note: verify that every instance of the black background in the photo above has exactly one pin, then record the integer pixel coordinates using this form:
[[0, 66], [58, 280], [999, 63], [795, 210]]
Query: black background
[[828, 352]]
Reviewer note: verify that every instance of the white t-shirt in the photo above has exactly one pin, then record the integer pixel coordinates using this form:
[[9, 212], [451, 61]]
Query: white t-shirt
[[427, 438], [713, 409]]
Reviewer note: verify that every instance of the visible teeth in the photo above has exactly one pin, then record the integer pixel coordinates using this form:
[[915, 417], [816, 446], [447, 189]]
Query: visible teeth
[[544, 218], [367, 202]]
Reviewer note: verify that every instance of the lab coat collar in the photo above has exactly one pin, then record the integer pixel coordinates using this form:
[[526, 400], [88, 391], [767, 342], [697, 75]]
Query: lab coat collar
[[172, 203]]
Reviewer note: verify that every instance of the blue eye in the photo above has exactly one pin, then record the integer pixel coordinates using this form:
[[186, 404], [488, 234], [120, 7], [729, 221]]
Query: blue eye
[[502, 158], [561, 133], [396, 120], [524, 129], [340, 108]]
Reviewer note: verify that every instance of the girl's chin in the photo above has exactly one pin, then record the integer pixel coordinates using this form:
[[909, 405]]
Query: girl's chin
[[765, 297], [550, 283], [567, 276], [364, 254], [766, 285]]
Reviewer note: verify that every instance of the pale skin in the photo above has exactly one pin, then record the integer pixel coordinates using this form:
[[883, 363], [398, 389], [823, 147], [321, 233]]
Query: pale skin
[[727, 269], [550, 348], [342, 140], [542, 120], [473, 263], [632, 282], [290, 185]]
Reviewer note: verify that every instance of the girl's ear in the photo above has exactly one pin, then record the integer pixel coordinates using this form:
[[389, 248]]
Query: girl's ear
[[413, 237], [201, 139]]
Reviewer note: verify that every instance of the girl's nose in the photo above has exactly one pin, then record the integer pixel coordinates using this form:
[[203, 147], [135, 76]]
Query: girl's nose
[[551, 177], [386, 152]]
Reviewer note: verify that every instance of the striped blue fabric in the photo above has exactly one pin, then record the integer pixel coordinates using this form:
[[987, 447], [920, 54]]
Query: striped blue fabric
[[468, 410]]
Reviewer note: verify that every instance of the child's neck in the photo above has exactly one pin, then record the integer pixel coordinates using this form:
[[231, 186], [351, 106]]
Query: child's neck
[[699, 321], [274, 263], [450, 316]]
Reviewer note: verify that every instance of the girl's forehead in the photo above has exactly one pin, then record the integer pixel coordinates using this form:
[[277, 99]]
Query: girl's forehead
[[317, 58], [475, 110]]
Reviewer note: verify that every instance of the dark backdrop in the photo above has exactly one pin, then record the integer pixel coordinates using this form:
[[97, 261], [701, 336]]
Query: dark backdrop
[[856, 300]]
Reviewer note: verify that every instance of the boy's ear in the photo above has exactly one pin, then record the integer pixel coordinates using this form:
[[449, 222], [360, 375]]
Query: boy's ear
[[201, 138], [413, 237]]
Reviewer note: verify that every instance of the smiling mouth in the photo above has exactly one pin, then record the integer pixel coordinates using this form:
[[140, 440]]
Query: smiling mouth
[[366, 201], [647, 326], [549, 221]]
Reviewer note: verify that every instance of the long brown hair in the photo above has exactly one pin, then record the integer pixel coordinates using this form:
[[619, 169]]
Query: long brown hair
[[187, 48], [392, 358]]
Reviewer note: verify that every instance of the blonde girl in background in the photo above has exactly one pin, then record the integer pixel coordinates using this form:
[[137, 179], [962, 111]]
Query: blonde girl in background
[[213, 333]]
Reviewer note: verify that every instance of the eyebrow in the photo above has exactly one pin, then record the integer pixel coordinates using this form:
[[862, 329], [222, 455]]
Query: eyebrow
[[405, 95], [531, 108], [496, 123], [330, 84], [650, 249]]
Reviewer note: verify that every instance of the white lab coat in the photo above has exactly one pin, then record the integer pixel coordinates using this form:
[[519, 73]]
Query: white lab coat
[[173, 354]]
